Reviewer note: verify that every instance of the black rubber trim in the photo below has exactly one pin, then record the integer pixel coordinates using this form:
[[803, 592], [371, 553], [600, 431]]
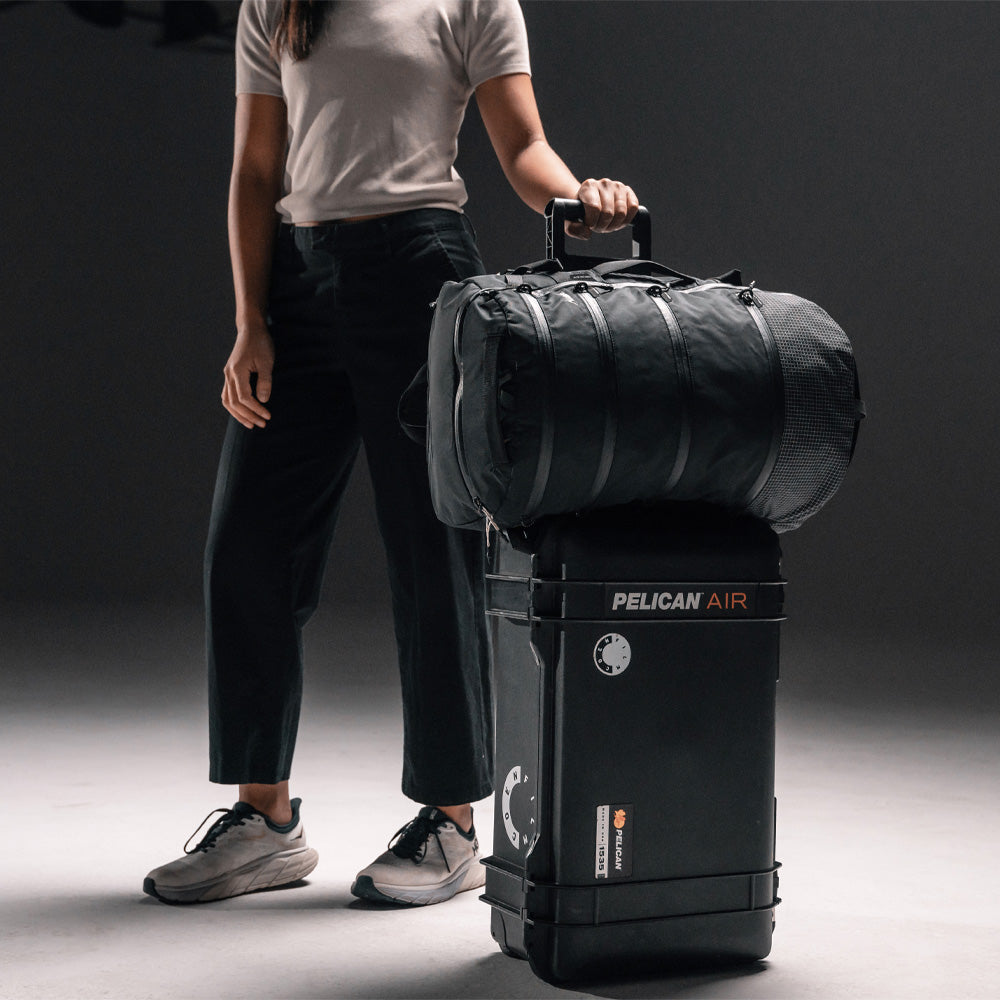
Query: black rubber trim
[[456, 427], [623, 902]]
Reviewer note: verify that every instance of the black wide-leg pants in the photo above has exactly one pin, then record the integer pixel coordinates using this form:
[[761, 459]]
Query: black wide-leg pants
[[349, 311]]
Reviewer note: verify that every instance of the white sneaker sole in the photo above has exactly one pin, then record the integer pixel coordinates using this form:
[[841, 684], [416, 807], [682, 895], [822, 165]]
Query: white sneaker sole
[[471, 875], [264, 873]]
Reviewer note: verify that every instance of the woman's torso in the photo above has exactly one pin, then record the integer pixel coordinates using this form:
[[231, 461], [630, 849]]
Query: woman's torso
[[374, 111]]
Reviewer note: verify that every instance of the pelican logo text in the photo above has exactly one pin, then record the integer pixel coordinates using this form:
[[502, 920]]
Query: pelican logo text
[[644, 600], [704, 602], [613, 854]]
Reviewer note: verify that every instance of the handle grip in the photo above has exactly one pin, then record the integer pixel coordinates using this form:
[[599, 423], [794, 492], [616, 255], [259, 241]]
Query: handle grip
[[561, 210]]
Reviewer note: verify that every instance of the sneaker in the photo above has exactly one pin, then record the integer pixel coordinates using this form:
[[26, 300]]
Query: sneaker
[[242, 852], [429, 860]]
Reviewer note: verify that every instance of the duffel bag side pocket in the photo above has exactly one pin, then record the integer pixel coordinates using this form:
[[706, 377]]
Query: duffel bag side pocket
[[450, 490]]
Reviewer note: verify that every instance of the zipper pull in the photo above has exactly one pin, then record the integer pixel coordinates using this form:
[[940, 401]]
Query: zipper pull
[[747, 297], [491, 525]]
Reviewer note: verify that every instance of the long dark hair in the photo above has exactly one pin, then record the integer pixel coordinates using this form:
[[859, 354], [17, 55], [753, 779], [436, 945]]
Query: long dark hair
[[299, 26]]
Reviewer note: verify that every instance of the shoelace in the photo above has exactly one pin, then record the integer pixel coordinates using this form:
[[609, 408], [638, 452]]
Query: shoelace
[[413, 837], [227, 821]]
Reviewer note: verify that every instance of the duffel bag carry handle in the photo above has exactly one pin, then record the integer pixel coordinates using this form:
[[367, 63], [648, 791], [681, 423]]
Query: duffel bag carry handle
[[412, 409], [649, 267], [546, 266], [559, 211]]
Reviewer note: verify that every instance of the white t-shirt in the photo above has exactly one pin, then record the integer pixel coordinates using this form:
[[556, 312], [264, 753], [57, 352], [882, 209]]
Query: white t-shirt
[[374, 111]]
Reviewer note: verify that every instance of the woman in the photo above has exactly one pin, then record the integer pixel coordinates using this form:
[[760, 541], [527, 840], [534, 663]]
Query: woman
[[347, 121]]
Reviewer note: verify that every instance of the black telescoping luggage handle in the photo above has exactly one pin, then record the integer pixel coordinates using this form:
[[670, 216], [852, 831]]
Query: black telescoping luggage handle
[[559, 211]]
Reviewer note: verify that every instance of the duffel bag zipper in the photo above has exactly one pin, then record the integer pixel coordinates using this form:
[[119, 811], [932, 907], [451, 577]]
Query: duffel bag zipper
[[682, 364], [463, 465], [706, 285], [544, 338], [581, 284], [575, 285], [608, 286], [605, 286], [606, 350]]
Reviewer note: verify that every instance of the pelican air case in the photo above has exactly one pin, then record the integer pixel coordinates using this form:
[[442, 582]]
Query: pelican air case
[[636, 663]]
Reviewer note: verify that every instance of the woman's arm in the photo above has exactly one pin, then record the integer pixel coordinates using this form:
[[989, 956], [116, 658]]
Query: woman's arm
[[258, 164], [535, 171]]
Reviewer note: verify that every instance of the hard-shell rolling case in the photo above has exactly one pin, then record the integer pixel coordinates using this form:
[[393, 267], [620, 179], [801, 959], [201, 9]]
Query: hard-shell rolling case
[[636, 662]]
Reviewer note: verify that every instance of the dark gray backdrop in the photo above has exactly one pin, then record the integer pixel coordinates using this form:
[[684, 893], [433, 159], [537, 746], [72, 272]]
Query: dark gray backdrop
[[847, 152]]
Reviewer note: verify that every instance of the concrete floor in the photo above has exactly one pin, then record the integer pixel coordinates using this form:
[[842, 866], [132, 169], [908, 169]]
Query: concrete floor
[[889, 814]]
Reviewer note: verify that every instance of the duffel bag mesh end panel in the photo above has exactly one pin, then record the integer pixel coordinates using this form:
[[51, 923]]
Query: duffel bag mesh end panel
[[821, 410]]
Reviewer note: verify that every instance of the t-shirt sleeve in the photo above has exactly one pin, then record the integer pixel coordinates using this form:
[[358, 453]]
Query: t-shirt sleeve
[[496, 40], [256, 70]]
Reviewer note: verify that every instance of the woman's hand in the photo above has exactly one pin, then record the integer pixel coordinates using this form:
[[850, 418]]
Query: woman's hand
[[608, 205], [253, 353]]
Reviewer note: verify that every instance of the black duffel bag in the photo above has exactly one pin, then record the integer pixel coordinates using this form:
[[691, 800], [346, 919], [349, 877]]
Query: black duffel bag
[[552, 389]]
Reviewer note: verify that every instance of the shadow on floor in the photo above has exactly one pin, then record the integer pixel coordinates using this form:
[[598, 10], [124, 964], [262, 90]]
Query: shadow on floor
[[498, 976], [138, 922]]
